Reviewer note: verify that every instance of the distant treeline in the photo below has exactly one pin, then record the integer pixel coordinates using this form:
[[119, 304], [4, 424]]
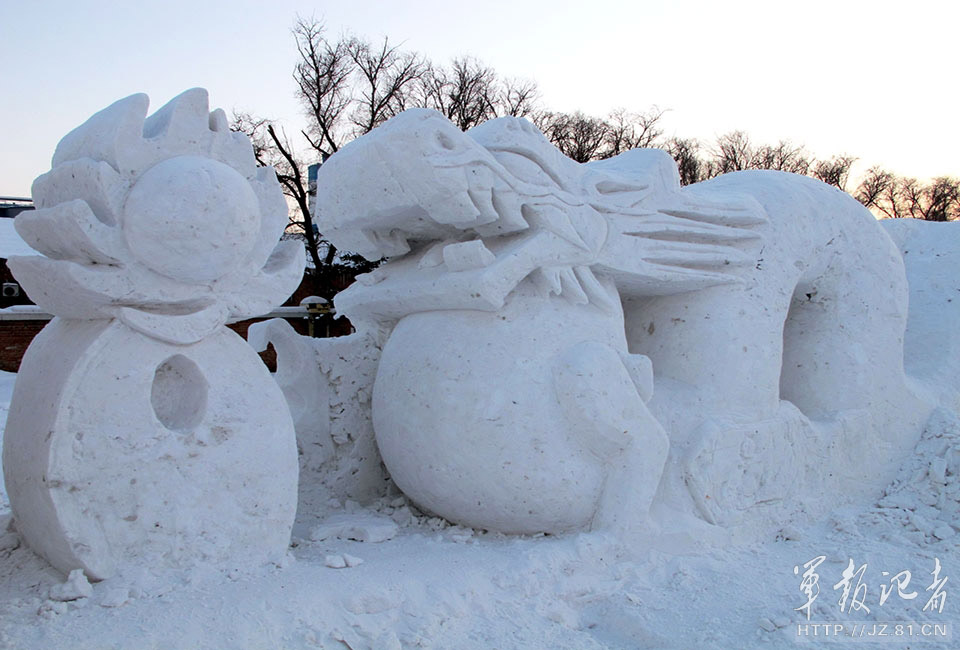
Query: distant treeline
[[348, 86]]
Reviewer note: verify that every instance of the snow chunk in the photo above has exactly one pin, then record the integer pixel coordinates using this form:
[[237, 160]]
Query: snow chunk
[[362, 527], [943, 531], [351, 560], [335, 562], [75, 587], [116, 597]]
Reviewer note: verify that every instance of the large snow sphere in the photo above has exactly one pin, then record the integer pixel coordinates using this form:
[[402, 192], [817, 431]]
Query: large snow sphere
[[191, 219]]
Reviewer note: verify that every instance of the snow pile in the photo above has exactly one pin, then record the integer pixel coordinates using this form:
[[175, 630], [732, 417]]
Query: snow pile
[[338, 453], [439, 586], [924, 499]]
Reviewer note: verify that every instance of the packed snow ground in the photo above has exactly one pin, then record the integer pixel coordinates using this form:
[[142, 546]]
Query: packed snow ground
[[439, 586]]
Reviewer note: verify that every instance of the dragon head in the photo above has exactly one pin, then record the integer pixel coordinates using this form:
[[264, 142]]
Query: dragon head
[[501, 202], [416, 178]]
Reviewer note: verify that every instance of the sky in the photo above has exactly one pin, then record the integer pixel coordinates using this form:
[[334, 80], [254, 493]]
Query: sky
[[877, 80]]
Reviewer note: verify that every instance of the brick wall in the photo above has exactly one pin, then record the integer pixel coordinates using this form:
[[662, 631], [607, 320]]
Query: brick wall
[[16, 335]]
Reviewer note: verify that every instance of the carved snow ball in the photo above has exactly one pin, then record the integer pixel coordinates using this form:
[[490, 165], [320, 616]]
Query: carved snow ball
[[179, 206]]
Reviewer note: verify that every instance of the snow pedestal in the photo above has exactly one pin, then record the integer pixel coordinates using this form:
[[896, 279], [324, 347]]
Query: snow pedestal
[[141, 430]]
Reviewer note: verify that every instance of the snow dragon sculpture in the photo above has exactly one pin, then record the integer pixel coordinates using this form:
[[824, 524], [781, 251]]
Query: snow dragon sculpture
[[530, 305]]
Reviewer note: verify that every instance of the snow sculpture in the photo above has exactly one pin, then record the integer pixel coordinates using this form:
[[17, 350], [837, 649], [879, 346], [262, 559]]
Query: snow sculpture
[[141, 429], [327, 383], [931, 253], [531, 305]]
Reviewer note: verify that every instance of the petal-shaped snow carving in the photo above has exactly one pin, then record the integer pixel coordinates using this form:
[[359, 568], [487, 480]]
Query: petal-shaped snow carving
[[166, 215], [252, 296], [109, 135], [96, 182], [71, 231]]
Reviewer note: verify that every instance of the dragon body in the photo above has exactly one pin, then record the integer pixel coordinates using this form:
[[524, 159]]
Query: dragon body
[[526, 295]]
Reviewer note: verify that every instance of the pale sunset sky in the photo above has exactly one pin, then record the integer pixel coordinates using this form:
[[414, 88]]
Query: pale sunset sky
[[877, 80]]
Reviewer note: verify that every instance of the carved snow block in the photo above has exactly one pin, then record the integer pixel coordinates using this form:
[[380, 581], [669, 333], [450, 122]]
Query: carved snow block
[[143, 431]]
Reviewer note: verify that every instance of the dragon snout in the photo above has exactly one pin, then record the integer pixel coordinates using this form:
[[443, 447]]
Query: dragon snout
[[417, 178]]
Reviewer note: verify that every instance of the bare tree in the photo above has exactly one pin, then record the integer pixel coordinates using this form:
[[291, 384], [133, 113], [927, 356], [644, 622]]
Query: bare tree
[[579, 136], [272, 147], [686, 153], [584, 137], [941, 199], [346, 87], [782, 156], [896, 197], [834, 171], [938, 200], [518, 98], [893, 202], [627, 131], [467, 93], [732, 152], [873, 187], [323, 78], [386, 78]]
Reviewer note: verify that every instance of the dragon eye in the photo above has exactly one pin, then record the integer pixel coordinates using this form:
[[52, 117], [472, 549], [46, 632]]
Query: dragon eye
[[446, 141]]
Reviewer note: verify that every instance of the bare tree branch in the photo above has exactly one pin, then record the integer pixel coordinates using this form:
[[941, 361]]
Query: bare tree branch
[[835, 171], [686, 153], [632, 130], [518, 98], [580, 137], [386, 77], [322, 77], [467, 93], [873, 187], [733, 152]]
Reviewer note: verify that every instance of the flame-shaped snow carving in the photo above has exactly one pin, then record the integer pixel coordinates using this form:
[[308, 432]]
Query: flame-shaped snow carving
[[164, 222]]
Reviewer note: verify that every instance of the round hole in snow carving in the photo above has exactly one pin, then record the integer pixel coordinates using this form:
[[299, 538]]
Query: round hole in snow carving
[[179, 393]]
